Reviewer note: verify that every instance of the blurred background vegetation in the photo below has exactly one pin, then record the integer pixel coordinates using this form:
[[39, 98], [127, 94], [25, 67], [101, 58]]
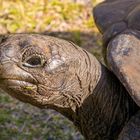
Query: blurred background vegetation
[[68, 19]]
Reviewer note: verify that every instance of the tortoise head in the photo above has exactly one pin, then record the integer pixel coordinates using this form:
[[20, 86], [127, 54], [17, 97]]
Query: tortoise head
[[43, 70]]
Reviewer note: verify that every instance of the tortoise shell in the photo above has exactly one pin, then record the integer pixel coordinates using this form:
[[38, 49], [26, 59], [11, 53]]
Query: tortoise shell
[[119, 22]]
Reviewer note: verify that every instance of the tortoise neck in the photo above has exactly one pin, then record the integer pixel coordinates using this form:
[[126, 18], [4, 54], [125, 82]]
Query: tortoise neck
[[104, 112], [100, 105]]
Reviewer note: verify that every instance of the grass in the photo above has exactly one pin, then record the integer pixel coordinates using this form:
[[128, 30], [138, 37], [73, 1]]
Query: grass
[[62, 18], [23, 121], [35, 15]]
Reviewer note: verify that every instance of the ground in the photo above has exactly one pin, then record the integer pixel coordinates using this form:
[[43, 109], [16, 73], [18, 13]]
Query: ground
[[68, 19]]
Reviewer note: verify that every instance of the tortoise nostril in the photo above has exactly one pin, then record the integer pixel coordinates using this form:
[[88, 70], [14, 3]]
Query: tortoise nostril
[[3, 38]]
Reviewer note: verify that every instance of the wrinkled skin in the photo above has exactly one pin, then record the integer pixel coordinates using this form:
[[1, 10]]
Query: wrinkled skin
[[52, 73], [37, 69]]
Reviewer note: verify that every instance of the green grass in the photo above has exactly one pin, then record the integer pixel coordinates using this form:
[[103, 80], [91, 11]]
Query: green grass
[[23, 121], [35, 15]]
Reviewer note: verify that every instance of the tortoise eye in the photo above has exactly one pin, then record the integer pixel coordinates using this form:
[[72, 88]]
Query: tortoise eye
[[34, 61]]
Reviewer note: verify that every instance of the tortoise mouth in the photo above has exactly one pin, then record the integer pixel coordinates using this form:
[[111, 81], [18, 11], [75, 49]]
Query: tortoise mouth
[[7, 83], [26, 92]]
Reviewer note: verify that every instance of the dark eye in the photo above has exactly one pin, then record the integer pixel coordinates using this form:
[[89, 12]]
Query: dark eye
[[34, 61]]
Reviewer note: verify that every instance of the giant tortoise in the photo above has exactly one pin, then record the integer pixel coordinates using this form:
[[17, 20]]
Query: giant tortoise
[[47, 72]]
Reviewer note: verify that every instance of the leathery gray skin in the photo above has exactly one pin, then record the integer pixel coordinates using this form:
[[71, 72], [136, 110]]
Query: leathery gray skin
[[48, 72]]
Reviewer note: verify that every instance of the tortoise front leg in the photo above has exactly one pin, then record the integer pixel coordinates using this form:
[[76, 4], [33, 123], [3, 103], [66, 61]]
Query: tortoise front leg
[[132, 129]]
